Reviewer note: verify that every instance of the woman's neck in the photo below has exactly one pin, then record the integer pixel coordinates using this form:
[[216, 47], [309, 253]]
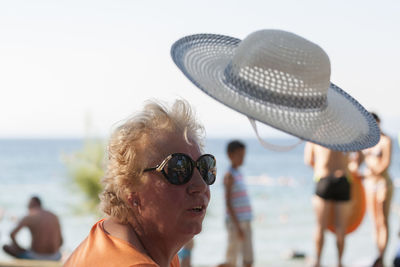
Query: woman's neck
[[155, 245]]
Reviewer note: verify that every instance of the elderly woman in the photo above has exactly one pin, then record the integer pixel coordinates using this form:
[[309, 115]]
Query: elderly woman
[[156, 191]]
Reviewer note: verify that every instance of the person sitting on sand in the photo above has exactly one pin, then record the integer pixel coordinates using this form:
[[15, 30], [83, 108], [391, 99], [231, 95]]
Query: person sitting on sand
[[156, 190], [332, 190], [46, 234]]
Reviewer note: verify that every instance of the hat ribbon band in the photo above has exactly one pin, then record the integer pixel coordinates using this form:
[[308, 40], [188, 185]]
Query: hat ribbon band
[[241, 85]]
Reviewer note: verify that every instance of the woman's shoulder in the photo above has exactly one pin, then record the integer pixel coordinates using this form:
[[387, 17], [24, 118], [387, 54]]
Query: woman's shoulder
[[385, 140]]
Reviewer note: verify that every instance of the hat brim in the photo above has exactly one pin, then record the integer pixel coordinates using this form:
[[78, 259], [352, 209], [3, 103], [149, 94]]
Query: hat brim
[[343, 124]]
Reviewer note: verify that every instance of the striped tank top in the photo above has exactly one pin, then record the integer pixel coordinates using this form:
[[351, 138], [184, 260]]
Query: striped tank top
[[240, 199]]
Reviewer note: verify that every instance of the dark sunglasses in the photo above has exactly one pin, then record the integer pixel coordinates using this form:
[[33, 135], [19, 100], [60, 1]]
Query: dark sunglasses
[[178, 168]]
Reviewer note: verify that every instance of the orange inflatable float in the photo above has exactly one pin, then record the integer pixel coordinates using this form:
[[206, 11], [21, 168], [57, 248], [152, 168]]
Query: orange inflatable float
[[357, 203]]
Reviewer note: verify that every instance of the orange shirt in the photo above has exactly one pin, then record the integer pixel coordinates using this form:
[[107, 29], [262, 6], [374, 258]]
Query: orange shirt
[[101, 249]]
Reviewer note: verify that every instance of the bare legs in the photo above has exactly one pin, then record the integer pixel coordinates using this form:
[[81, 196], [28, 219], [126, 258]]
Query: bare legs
[[378, 203], [341, 217], [322, 209], [13, 250]]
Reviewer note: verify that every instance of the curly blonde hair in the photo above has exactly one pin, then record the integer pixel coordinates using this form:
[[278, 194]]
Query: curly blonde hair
[[124, 154]]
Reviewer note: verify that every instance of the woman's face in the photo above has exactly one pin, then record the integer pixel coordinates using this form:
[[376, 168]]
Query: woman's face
[[171, 210]]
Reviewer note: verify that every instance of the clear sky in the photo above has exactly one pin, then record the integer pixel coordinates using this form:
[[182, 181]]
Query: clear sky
[[62, 62]]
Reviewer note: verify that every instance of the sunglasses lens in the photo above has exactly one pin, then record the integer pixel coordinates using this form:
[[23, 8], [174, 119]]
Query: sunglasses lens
[[207, 168], [179, 169]]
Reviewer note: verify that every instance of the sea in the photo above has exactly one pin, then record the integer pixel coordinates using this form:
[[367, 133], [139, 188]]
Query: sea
[[279, 184]]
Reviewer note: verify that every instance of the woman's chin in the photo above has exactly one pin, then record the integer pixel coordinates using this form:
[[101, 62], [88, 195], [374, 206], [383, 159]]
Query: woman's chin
[[193, 229]]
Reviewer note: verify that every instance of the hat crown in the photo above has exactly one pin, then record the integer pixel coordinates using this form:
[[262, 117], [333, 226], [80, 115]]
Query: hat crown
[[284, 64]]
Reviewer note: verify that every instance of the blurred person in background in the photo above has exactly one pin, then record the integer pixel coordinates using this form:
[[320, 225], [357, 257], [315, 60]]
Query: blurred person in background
[[332, 190], [238, 210], [45, 230], [379, 189], [185, 254]]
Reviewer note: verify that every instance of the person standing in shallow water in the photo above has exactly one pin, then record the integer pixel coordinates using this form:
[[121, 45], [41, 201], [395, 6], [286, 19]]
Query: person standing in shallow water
[[46, 235], [332, 190], [379, 190], [238, 210], [156, 190]]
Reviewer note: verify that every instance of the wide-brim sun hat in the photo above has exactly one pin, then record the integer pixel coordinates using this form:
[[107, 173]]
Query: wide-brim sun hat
[[280, 79]]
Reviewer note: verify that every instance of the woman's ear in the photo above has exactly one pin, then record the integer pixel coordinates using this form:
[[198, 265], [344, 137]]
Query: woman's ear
[[133, 200]]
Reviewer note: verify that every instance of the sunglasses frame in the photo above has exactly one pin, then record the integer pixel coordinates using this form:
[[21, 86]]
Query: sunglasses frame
[[160, 167]]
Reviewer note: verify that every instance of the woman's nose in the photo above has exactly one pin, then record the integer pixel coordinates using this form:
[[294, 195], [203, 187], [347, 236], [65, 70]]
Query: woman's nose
[[197, 184]]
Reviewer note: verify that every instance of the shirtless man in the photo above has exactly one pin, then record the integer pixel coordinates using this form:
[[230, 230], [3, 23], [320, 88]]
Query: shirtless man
[[333, 189], [46, 234]]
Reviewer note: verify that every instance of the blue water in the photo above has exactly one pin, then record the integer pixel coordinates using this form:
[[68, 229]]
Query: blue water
[[280, 187]]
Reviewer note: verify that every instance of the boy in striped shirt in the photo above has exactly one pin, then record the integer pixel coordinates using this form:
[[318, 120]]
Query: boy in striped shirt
[[238, 210]]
